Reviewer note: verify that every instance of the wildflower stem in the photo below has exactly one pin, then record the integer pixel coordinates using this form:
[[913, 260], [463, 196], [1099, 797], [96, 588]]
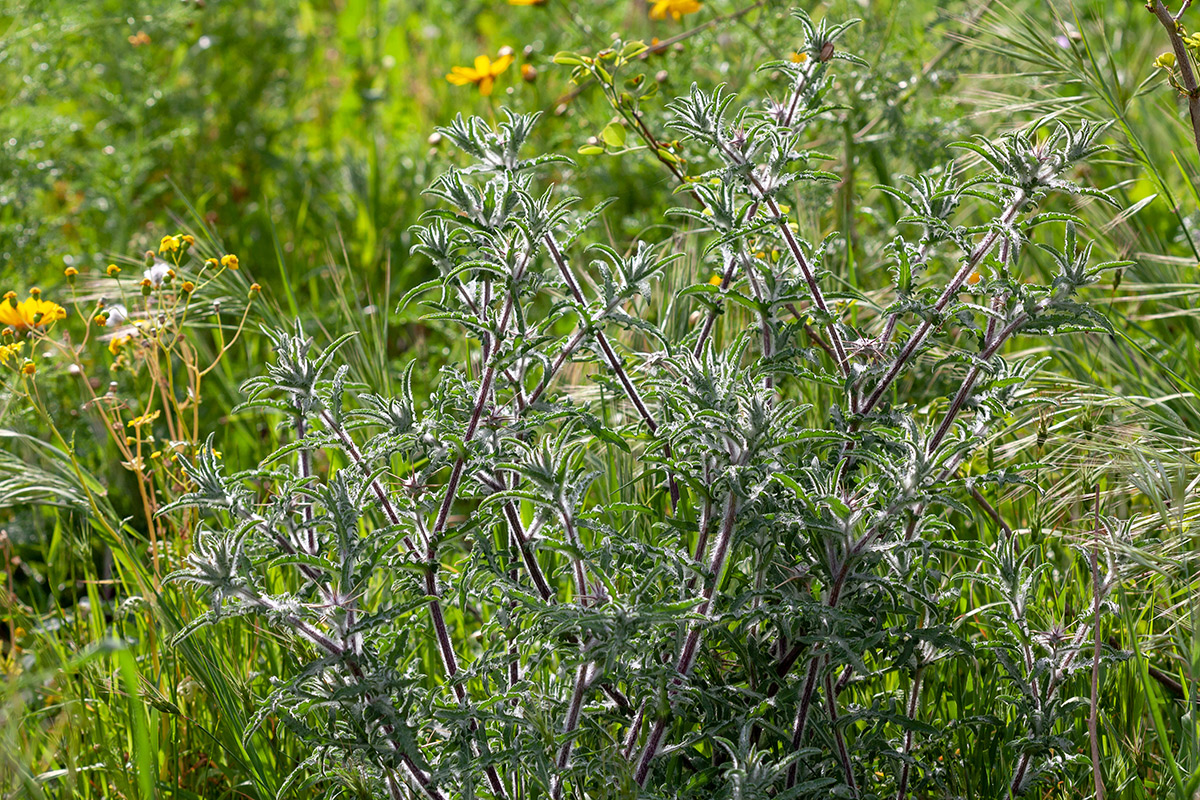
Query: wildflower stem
[[802, 711], [977, 255], [839, 739], [914, 698], [445, 645], [691, 643], [309, 632], [1183, 60], [304, 459], [610, 357]]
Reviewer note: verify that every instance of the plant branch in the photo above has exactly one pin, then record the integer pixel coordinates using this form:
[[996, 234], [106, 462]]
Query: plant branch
[[1183, 60], [691, 644], [951, 291]]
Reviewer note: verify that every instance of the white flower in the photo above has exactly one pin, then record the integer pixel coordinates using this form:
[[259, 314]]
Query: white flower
[[157, 274], [117, 314]]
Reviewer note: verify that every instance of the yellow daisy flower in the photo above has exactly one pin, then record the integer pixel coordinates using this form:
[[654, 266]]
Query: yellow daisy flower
[[483, 74], [118, 343], [32, 313]]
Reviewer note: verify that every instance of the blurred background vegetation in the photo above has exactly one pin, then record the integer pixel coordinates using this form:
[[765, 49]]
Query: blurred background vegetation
[[300, 135]]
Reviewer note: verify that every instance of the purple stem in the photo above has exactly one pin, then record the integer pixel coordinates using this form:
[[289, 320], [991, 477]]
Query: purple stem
[[914, 697], [843, 755], [951, 291], [614, 363], [691, 644]]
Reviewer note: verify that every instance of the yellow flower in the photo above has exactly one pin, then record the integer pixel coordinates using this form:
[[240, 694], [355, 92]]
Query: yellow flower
[[230, 261], [117, 343], [28, 368], [798, 58], [70, 272], [975, 278], [483, 74], [715, 280], [188, 239], [113, 270], [676, 8], [31, 313], [8, 351], [168, 244], [525, 2]]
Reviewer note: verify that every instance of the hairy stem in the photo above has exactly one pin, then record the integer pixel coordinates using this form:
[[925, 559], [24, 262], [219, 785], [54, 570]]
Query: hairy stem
[[611, 359], [918, 338], [839, 739], [802, 712], [914, 699], [1183, 61], [691, 644]]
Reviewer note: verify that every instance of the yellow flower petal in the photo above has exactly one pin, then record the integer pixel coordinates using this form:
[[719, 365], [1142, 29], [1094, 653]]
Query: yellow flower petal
[[499, 65]]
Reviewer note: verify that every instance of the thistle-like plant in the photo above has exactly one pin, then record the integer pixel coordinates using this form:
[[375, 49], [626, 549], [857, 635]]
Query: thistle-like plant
[[584, 569]]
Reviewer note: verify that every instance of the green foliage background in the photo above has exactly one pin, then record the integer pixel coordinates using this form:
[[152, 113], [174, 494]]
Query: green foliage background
[[297, 134]]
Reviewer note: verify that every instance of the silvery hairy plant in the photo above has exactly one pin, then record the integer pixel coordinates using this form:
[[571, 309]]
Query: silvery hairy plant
[[606, 559]]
